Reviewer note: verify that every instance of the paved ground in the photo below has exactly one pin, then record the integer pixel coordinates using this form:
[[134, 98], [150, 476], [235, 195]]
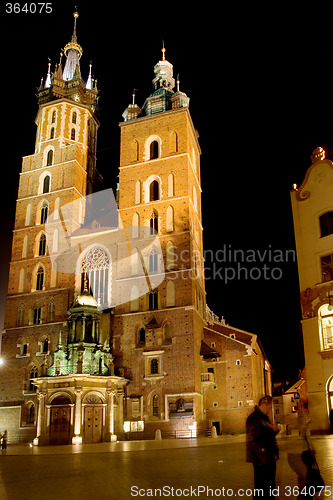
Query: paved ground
[[190, 468]]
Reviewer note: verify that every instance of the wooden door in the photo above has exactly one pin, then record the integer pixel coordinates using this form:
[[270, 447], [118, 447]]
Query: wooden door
[[60, 425], [93, 424]]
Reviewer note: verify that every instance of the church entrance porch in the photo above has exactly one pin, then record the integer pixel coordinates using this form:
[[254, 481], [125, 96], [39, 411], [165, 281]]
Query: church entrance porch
[[79, 408]]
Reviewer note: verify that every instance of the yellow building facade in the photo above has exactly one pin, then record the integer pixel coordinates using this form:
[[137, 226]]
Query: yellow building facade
[[312, 208]]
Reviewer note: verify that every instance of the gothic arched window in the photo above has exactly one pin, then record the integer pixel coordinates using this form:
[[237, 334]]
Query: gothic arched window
[[74, 116], [50, 310], [154, 150], [154, 191], [40, 279], [42, 245], [142, 336], [153, 300], [49, 158], [153, 223], [33, 374], [44, 212], [167, 333], [97, 270], [156, 405], [37, 314], [46, 184], [73, 134], [20, 315]]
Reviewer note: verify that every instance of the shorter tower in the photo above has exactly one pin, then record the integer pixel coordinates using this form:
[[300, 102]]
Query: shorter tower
[[312, 208]]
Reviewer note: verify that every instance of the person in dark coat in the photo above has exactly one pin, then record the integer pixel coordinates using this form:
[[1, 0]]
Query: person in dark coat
[[261, 446]]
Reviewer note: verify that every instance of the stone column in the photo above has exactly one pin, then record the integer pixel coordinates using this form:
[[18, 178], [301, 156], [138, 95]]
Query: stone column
[[77, 439], [40, 419], [110, 413], [83, 329]]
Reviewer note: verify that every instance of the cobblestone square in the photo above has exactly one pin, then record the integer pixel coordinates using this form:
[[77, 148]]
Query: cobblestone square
[[189, 468]]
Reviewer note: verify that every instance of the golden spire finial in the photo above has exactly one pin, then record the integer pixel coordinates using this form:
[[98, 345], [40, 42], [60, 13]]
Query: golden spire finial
[[76, 15], [163, 51]]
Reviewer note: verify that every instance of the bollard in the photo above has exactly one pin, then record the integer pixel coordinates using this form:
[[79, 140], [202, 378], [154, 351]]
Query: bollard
[[214, 432], [158, 434]]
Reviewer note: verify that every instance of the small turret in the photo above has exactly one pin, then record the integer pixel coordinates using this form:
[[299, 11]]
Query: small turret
[[132, 111]]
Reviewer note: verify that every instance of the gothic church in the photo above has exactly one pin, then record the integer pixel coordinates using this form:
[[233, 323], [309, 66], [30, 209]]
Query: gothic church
[[107, 333]]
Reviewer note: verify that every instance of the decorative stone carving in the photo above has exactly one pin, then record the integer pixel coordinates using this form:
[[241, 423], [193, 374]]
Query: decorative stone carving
[[318, 154]]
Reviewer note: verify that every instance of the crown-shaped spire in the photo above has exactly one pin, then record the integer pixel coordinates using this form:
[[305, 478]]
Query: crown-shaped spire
[[56, 86], [73, 52]]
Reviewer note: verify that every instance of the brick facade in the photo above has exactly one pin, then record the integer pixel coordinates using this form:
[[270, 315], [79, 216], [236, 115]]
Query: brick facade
[[163, 345]]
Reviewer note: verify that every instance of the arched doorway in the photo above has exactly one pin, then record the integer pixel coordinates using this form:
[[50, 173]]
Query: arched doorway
[[60, 420], [93, 419]]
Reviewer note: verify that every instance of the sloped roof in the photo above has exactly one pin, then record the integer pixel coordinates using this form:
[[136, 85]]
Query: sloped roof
[[207, 352]]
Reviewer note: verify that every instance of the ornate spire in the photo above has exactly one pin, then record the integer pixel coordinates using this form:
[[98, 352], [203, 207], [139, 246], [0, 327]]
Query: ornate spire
[[56, 86], [48, 81], [89, 81], [73, 52]]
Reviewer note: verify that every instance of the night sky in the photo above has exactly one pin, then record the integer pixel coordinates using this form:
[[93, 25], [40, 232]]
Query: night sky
[[260, 84]]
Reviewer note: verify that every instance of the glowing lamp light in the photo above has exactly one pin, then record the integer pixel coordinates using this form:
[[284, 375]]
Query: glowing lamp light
[[77, 440]]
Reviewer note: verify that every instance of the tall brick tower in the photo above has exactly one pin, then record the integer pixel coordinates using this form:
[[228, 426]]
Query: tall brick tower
[[60, 171], [157, 337]]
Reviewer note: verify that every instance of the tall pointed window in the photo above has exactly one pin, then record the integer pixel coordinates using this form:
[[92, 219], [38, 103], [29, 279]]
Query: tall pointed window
[[153, 223], [156, 406], [154, 191], [170, 219], [49, 158], [73, 134], [74, 117], [44, 212], [37, 314], [20, 315], [40, 279], [46, 184], [170, 294], [167, 333], [50, 310], [45, 345], [33, 374], [97, 270], [142, 336], [42, 245], [154, 150], [153, 300]]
